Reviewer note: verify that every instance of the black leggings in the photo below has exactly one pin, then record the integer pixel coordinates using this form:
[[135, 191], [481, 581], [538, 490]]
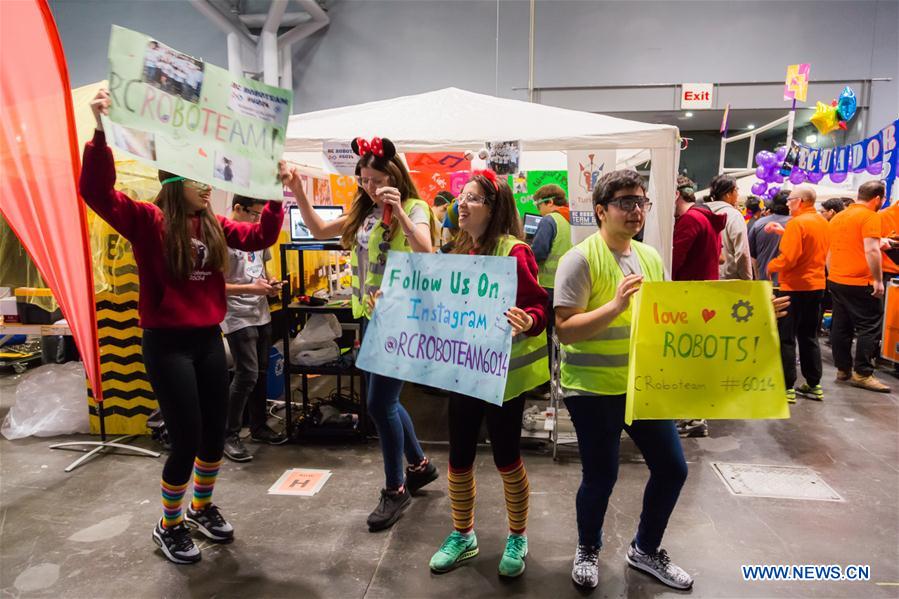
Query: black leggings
[[189, 375], [503, 427]]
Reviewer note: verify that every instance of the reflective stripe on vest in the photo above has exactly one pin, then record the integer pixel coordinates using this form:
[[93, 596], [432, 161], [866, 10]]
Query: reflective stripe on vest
[[361, 304], [599, 365], [561, 244], [528, 359]]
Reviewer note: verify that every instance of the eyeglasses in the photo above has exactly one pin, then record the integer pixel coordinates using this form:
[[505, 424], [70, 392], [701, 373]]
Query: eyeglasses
[[366, 181], [470, 198], [254, 214], [630, 203], [197, 185]]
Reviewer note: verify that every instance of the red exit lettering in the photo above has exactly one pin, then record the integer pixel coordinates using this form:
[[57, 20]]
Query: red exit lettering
[[695, 97]]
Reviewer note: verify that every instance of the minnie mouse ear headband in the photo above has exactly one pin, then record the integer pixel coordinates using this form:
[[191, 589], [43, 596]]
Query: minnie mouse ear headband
[[380, 147], [487, 174]]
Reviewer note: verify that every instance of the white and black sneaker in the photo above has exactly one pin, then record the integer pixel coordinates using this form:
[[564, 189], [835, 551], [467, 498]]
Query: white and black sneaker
[[210, 522], [176, 544], [585, 572], [659, 565]]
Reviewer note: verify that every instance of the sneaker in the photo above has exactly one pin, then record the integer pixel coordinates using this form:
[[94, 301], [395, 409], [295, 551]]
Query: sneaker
[[868, 382], [585, 571], [416, 479], [457, 548], [692, 428], [791, 395], [658, 564], [267, 435], [235, 450], [390, 508], [843, 376], [176, 544], [210, 522], [811, 392], [512, 563]]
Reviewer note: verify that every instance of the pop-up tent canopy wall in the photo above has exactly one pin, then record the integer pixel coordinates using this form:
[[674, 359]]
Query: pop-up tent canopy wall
[[457, 120]]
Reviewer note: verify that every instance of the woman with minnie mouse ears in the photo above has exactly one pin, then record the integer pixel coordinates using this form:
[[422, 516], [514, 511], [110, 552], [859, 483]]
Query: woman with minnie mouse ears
[[489, 226], [386, 215]]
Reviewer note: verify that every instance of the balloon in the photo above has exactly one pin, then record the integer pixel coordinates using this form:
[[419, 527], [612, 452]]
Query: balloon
[[797, 177], [773, 191], [764, 158], [847, 104], [759, 188], [875, 168], [815, 177], [838, 177], [761, 172], [777, 177], [780, 154], [825, 118]]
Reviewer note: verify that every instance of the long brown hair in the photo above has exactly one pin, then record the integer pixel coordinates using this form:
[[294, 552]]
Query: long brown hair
[[504, 219], [180, 254], [363, 204]]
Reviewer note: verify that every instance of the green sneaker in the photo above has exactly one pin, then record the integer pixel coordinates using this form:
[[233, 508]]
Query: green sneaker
[[456, 549], [791, 395], [512, 564], [816, 392]]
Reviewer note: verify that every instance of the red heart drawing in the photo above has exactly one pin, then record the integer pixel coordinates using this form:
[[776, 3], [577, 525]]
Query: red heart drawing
[[708, 315], [202, 153]]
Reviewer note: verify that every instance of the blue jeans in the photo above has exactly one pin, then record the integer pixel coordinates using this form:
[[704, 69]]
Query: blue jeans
[[598, 422], [394, 426]]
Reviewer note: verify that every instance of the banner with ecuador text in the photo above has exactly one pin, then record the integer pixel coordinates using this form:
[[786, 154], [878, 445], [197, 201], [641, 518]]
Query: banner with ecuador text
[[193, 118], [705, 349], [441, 322]]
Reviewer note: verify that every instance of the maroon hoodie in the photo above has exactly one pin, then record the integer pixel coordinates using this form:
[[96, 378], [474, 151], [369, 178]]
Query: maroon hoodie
[[697, 245]]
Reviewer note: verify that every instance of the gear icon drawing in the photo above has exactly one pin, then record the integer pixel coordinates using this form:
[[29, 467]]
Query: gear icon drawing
[[742, 311]]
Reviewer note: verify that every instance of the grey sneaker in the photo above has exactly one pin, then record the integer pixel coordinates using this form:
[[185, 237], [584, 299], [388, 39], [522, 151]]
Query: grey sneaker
[[585, 572], [236, 451], [659, 565]]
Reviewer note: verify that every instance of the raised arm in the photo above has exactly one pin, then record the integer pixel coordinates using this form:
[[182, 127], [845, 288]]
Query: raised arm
[[319, 228]]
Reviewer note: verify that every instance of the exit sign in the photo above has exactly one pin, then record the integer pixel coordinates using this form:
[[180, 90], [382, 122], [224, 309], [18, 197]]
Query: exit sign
[[696, 95]]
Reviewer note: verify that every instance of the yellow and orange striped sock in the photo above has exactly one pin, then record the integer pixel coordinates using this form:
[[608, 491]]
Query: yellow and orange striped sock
[[172, 498], [204, 481], [462, 494], [517, 492]]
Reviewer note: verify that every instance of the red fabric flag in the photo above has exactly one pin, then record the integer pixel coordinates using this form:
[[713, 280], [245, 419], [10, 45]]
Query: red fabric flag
[[39, 164]]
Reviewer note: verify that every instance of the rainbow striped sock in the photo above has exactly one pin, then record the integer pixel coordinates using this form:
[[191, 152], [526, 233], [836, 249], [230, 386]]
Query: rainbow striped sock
[[204, 481], [517, 492], [172, 497]]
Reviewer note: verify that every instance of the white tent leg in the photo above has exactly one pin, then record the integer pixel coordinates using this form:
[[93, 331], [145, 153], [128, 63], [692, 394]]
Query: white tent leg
[[100, 446]]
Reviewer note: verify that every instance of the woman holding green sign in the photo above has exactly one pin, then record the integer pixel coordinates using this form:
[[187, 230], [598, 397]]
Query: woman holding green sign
[[489, 226], [386, 215]]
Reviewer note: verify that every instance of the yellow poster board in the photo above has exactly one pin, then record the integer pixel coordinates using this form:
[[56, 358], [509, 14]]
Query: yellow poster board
[[705, 349]]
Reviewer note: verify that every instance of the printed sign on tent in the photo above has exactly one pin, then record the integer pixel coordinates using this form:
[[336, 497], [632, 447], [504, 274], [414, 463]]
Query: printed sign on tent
[[194, 119], [339, 158], [796, 82], [503, 156], [585, 167], [441, 322], [705, 349], [304, 482], [437, 161]]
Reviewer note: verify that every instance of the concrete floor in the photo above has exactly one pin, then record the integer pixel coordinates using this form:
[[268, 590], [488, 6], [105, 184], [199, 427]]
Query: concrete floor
[[87, 534]]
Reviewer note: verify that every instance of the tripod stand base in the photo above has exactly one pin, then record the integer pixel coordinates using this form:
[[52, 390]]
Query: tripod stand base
[[99, 447]]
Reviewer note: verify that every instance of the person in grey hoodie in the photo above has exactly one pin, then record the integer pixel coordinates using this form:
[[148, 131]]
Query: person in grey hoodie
[[735, 262]]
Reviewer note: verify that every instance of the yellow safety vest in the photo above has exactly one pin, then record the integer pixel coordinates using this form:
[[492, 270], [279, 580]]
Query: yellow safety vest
[[361, 306], [528, 360], [561, 244], [599, 365]]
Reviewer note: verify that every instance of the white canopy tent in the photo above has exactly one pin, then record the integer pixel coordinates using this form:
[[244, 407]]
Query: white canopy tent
[[452, 119]]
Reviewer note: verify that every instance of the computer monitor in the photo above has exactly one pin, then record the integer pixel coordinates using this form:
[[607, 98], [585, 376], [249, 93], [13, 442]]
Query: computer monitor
[[530, 224], [298, 229]]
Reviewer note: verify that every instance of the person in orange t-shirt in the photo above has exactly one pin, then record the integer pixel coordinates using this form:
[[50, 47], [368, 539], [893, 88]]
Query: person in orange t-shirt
[[803, 252], [856, 285], [889, 230]]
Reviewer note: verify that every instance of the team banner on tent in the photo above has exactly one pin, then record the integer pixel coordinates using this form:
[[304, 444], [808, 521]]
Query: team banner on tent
[[585, 167], [195, 119], [441, 322], [703, 349]]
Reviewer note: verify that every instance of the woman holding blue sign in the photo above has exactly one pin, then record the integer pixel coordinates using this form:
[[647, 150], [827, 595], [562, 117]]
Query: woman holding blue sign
[[489, 226], [386, 215]]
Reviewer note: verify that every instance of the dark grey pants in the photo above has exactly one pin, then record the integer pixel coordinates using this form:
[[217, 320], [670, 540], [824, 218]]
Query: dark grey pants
[[250, 347]]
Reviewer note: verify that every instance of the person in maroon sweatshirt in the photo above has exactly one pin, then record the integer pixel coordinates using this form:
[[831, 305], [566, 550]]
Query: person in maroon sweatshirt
[[697, 237], [697, 247], [180, 247]]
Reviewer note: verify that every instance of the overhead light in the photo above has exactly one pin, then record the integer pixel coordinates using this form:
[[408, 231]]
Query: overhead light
[[688, 114], [750, 126], [810, 139]]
